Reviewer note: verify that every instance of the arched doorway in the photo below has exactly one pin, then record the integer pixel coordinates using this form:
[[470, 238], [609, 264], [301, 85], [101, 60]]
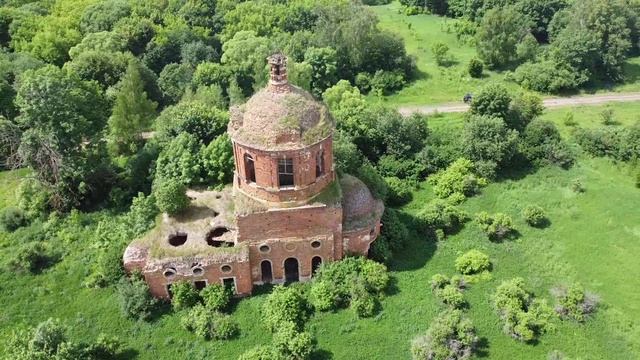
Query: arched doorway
[[291, 270], [315, 264], [266, 271]]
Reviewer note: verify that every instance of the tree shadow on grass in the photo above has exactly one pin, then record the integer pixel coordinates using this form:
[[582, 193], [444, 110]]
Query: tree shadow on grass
[[482, 348], [321, 354], [127, 354], [418, 250]]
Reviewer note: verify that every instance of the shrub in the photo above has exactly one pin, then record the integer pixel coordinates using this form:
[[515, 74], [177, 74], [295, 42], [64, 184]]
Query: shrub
[[289, 343], [458, 178], [399, 191], [577, 186], [451, 336], [497, 226], [12, 218], [475, 68], [525, 317], [534, 215], [569, 120], [451, 296], [541, 144], [440, 52], [439, 214], [394, 230], [345, 282], [607, 117], [215, 297], [208, 324], [392, 166], [260, 353], [575, 303], [493, 100], [32, 257], [184, 296], [472, 262], [285, 304], [171, 196], [386, 82], [135, 300]]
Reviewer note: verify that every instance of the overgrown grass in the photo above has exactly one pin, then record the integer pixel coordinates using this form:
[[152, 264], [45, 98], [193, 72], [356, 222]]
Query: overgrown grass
[[438, 84], [9, 181]]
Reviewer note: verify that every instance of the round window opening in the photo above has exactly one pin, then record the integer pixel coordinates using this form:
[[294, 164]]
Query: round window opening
[[178, 239], [316, 244], [197, 271], [169, 273], [226, 268], [264, 249]]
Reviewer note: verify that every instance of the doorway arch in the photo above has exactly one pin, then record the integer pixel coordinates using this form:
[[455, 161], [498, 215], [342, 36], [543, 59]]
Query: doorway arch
[[291, 270], [266, 271], [315, 264]]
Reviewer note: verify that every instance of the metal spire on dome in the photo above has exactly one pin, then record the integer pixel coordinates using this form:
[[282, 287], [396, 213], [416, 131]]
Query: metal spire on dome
[[278, 81]]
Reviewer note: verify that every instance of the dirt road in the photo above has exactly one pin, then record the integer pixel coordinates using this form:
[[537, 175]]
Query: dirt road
[[549, 103]]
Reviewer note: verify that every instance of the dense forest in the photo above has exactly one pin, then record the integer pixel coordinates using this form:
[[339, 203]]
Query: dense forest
[[111, 109]]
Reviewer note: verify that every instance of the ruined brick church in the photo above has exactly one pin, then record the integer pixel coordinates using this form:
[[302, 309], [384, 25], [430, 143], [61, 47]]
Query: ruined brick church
[[286, 213]]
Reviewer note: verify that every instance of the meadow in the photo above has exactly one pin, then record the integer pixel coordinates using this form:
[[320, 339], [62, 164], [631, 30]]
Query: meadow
[[445, 84], [593, 238]]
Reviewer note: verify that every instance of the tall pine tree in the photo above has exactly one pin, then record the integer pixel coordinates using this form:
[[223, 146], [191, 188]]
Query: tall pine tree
[[131, 114]]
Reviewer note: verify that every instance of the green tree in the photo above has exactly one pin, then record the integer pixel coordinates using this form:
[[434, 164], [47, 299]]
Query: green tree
[[217, 161], [493, 100], [64, 118], [323, 68], [171, 196], [131, 114], [498, 35], [103, 15], [440, 52], [450, 336], [540, 12]]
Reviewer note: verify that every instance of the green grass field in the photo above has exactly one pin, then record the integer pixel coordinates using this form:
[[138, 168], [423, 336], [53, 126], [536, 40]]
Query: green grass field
[[436, 84], [594, 238]]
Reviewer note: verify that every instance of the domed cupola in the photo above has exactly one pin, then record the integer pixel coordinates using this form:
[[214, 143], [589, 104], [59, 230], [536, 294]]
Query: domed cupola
[[282, 141]]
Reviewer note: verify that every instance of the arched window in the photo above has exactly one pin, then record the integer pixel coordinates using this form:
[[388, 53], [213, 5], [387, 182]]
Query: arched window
[[315, 264], [285, 172], [291, 270], [320, 163], [249, 168], [266, 271]]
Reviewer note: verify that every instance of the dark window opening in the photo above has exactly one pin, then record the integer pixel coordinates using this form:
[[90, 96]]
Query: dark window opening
[[226, 268], [291, 270], [264, 248], [200, 284], [266, 271], [316, 244], [197, 271], [169, 273], [249, 168], [229, 283], [285, 172], [315, 264], [320, 163], [177, 239]]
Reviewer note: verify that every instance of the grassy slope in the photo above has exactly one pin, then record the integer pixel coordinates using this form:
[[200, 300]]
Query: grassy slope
[[594, 238], [437, 85]]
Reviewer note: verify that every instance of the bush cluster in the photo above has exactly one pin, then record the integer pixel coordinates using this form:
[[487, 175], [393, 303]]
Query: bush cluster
[[12, 218], [216, 297], [50, 341], [393, 237], [441, 215], [497, 226], [355, 281], [400, 191], [542, 145], [458, 178], [449, 291], [575, 303], [32, 257], [208, 324], [184, 295], [525, 317], [135, 300], [450, 336], [171, 196], [620, 143], [472, 262], [534, 215], [475, 68], [285, 304]]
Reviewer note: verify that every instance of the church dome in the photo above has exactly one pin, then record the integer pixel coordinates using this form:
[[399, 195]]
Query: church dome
[[281, 116], [359, 207]]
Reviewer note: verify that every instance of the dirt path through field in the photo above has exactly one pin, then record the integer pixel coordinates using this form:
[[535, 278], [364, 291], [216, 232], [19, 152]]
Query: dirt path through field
[[548, 102]]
